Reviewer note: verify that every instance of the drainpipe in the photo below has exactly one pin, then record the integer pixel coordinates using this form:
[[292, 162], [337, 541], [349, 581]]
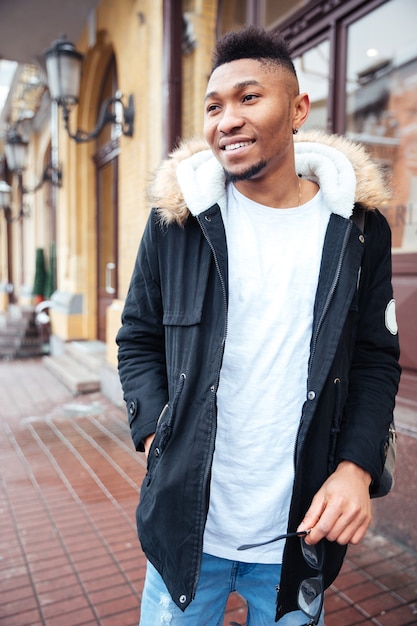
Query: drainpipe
[[55, 168], [172, 75]]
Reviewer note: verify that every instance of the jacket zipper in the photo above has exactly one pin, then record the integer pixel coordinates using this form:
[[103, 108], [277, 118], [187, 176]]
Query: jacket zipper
[[331, 293], [213, 437], [324, 313]]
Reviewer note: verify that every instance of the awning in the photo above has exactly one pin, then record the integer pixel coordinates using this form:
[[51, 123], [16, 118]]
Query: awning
[[27, 27]]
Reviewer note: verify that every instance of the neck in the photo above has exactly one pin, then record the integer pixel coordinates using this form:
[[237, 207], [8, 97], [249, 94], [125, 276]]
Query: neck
[[293, 194]]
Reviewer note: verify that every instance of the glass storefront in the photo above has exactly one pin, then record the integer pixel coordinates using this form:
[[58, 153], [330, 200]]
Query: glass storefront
[[381, 105], [357, 60], [312, 69]]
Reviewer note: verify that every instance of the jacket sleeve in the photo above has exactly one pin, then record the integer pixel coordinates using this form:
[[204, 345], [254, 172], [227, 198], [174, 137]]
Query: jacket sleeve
[[141, 352], [375, 372]]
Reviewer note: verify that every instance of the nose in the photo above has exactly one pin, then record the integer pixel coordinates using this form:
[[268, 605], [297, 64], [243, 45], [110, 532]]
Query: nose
[[230, 119]]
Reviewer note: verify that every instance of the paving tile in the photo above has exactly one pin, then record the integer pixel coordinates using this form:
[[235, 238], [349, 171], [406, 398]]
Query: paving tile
[[73, 618], [408, 592], [109, 594], [379, 604], [17, 605], [23, 618], [349, 579], [9, 581], [335, 602], [126, 618], [58, 582], [383, 568], [14, 595], [70, 604], [110, 570], [358, 593], [404, 615], [59, 594], [103, 582], [396, 580], [117, 605], [69, 553], [347, 617]]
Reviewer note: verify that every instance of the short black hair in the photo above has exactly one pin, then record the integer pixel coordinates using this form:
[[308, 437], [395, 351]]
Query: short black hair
[[253, 42]]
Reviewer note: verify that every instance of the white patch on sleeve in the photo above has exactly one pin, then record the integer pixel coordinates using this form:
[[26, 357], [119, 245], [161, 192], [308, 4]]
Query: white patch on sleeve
[[390, 318]]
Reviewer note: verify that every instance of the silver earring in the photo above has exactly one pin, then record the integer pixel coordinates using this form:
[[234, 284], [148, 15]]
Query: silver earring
[[294, 131]]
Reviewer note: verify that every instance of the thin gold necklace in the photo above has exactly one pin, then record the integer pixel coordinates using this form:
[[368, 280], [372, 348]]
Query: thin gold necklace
[[299, 191]]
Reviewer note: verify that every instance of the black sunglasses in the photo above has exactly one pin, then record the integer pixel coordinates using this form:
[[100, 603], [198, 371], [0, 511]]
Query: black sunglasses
[[310, 596]]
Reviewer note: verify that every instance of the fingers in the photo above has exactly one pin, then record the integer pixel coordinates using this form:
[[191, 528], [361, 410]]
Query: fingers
[[341, 510], [147, 444]]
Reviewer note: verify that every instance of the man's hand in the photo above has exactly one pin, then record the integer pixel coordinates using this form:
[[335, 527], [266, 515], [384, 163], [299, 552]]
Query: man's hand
[[341, 509], [147, 444]]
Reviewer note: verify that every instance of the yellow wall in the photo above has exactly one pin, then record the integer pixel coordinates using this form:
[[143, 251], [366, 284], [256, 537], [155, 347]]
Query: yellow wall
[[133, 210], [132, 30], [196, 66]]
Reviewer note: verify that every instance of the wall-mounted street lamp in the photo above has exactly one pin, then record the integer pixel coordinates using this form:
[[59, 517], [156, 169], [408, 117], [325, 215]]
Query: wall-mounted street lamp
[[63, 67], [5, 201], [5, 204], [5, 195], [16, 152], [16, 149]]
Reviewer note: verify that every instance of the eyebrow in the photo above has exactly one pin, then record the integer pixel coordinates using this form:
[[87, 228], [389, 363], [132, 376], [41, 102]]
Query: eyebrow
[[236, 86]]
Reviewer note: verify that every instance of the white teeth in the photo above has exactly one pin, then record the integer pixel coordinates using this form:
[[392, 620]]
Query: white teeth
[[240, 144]]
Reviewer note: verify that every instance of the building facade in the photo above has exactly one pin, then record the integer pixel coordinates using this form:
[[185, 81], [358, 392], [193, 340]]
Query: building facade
[[356, 58]]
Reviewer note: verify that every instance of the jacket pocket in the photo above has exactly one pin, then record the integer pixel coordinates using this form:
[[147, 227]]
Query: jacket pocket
[[182, 318], [164, 430]]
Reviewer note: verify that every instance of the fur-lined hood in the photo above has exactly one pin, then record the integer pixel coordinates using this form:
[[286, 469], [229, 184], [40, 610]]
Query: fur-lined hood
[[191, 179]]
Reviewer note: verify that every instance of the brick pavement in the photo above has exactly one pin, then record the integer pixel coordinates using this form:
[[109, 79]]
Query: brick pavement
[[69, 554]]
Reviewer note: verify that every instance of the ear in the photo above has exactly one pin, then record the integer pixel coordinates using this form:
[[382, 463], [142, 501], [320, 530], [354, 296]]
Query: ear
[[301, 109]]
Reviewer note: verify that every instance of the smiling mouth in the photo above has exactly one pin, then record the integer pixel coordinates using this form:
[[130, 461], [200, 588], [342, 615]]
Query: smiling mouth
[[235, 146]]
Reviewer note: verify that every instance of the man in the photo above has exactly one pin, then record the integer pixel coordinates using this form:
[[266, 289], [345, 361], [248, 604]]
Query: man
[[258, 352]]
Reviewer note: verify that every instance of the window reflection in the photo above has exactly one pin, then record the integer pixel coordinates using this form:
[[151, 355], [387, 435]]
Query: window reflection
[[382, 105], [312, 69]]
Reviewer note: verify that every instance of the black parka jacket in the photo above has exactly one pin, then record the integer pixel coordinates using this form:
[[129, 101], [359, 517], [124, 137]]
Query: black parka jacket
[[174, 326]]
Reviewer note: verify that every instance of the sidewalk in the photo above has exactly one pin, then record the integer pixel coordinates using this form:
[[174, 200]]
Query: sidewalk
[[69, 554]]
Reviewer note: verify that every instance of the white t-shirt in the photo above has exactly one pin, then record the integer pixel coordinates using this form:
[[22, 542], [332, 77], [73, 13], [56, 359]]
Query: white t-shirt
[[274, 261]]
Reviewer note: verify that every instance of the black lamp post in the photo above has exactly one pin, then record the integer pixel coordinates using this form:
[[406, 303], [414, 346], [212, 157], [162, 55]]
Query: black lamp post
[[63, 67]]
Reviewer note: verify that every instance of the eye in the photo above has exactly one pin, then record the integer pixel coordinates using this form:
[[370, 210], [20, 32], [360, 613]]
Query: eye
[[211, 108], [249, 97]]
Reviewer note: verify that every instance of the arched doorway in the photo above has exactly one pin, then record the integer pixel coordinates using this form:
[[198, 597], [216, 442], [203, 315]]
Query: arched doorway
[[106, 161]]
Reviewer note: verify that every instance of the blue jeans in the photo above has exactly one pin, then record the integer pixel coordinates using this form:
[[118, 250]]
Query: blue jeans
[[219, 577]]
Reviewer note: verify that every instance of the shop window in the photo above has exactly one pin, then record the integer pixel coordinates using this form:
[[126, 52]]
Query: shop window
[[232, 16], [312, 69], [381, 105], [274, 12]]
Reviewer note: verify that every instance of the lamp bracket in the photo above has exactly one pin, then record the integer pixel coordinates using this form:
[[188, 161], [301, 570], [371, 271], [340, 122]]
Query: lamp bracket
[[24, 212], [50, 174], [106, 116]]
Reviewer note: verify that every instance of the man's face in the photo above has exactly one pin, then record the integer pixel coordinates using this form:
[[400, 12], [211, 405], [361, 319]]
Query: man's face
[[250, 110]]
